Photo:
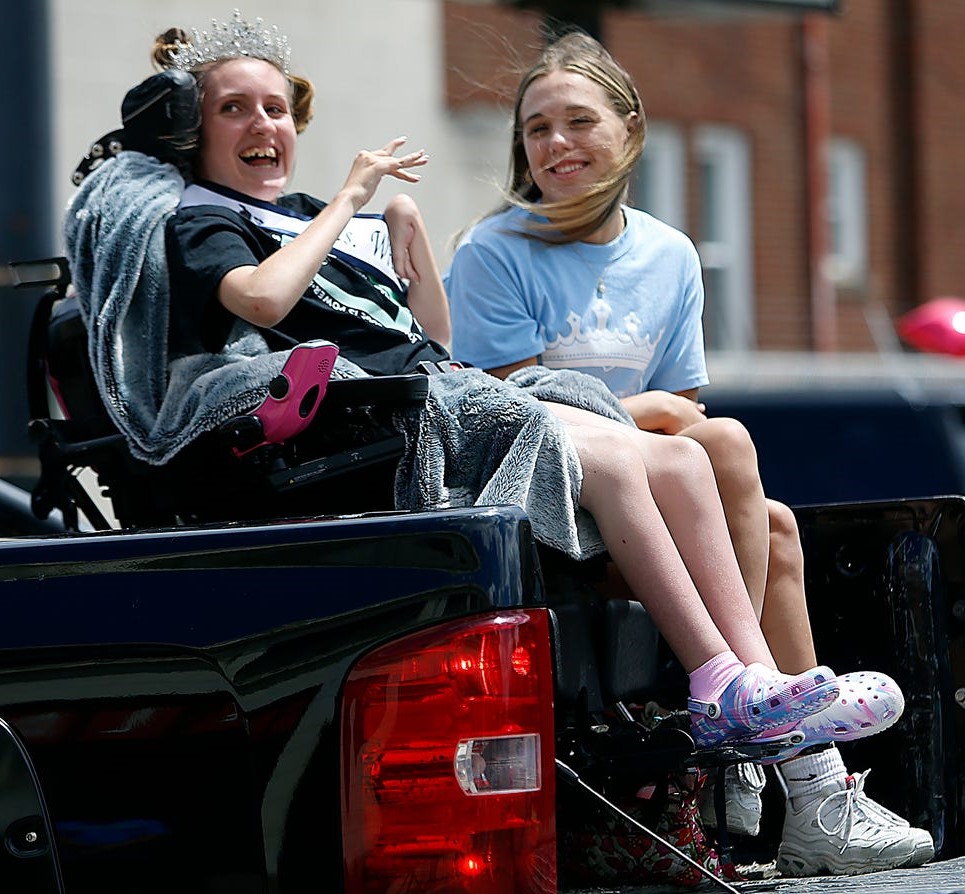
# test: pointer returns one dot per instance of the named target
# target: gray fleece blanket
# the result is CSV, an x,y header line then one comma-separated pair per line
x,y
114,236
481,441
478,441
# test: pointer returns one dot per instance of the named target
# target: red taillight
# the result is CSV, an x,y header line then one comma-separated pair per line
x,y
447,761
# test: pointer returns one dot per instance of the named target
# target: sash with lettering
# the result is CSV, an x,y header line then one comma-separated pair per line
x,y
364,243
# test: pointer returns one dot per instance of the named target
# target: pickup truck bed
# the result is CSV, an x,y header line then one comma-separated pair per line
x,y
219,708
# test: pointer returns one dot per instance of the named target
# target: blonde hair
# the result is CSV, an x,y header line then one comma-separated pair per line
x,y
574,218
301,90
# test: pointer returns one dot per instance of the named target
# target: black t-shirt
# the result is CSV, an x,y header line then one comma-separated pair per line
x,y
370,323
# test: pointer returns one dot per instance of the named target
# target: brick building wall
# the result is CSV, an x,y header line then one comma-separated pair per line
x,y
939,121
895,88
741,73
863,67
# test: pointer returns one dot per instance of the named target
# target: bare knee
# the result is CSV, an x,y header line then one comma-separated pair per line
x,y
731,451
612,465
726,441
679,461
785,538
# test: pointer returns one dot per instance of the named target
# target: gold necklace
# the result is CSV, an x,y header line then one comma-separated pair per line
x,y
600,284
600,281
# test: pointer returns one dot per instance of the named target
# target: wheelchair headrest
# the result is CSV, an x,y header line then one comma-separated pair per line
x,y
161,118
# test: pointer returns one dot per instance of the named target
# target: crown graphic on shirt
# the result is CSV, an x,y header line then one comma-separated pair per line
x,y
605,341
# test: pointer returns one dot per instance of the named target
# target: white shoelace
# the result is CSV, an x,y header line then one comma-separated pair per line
x,y
846,818
751,776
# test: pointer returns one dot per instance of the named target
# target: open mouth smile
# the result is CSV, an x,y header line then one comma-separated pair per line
x,y
565,166
256,157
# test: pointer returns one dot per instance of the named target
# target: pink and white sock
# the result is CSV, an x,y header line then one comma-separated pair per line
x,y
708,682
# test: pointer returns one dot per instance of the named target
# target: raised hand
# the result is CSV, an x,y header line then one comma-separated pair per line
x,y
370,166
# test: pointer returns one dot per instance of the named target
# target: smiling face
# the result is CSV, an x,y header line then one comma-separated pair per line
x,y
247,130
571,135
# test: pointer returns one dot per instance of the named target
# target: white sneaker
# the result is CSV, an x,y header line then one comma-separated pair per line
x,y
743,784
844,832
924,846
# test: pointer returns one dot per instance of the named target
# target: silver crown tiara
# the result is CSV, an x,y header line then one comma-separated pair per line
x,y
229,40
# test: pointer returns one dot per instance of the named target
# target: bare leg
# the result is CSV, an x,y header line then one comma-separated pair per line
x,y
785,620
654,500
766,541
734,458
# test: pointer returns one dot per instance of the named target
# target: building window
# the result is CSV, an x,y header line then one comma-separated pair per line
x,y
723,226
847,214
658,185
722,160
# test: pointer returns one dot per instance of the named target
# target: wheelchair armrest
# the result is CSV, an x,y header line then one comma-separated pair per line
x,y
291,403
348,404
408,388
244,433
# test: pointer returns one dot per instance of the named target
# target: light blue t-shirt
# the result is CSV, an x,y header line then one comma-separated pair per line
x,y
628,312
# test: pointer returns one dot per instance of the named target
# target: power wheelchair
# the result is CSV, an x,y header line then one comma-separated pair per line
x,y
230,474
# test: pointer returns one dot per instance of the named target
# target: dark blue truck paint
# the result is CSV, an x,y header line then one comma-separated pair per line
x,y
188,681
